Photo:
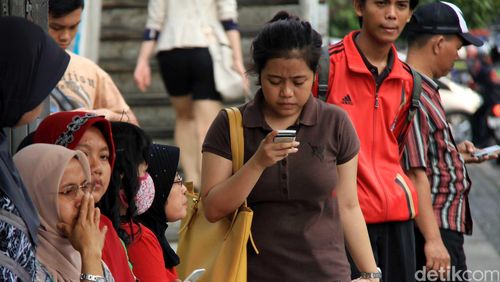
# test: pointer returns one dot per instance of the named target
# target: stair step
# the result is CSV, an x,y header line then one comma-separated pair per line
x,y
128,23
126,84
126,18
147,99
111,4
158,132
155,115
126,52
108,4
118,33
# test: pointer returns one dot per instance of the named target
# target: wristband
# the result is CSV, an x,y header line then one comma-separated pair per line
x,y
90,277
150,34
372,275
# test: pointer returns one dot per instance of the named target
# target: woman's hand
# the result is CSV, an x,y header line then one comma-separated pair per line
x,y
270,152
85,235
142,75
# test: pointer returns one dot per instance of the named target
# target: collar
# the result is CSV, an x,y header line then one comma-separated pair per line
x,y
356,60
373,69
254,117
430,81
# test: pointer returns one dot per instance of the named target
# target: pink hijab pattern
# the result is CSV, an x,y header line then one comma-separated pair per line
x,y
41,167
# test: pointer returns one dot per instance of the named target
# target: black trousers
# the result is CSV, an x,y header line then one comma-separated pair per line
x,y
393,245
454,243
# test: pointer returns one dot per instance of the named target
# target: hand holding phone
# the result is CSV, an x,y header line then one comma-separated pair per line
x,y
195,275
486,151
285,136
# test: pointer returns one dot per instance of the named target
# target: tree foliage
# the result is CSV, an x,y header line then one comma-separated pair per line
x,y
477,13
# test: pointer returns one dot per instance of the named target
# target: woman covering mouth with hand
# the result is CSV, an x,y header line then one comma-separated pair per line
x,y
92,135
70,239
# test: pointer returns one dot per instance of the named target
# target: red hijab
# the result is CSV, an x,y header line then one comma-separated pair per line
x,y
67,128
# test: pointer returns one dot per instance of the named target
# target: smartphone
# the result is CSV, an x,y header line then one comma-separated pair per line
x,y
486,151
195,275
285,136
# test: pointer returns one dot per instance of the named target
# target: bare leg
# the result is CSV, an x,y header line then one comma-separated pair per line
x,y
186,137
205,112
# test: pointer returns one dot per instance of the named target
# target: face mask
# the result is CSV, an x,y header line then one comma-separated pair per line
x,y
146,194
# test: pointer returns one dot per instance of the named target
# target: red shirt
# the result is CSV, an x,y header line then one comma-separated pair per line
x,y
146,255
113,253
378,106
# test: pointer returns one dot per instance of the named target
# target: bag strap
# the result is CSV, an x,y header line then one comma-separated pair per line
x,y
415,101
238,154
236,136
324,73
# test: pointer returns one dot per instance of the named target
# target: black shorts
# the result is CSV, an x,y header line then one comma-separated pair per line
x,y
188,71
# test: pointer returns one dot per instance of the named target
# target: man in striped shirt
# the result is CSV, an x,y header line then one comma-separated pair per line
x,y
434,163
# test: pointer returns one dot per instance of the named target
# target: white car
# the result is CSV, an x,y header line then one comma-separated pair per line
x,y
460,103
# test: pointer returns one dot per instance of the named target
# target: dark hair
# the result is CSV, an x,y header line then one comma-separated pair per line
x,y
60,8
418,39
132,149
415,39
285,36
413,5
495,55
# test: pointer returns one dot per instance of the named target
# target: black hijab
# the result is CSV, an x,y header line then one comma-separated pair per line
x,y
162,166
31,64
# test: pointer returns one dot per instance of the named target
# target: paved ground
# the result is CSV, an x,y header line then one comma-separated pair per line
x,y
483,247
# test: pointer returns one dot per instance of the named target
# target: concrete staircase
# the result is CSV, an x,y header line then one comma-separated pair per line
x,y
121,35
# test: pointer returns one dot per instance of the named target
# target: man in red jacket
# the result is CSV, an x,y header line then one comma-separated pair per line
x,y
367,79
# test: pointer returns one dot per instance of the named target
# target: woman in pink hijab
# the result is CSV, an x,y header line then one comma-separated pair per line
x,y
70,240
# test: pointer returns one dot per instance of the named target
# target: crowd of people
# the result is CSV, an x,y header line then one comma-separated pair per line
x,y
373,187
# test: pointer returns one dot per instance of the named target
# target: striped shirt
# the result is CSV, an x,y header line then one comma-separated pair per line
x,y
430,145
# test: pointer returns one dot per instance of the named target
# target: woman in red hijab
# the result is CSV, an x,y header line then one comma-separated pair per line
x,y
91,134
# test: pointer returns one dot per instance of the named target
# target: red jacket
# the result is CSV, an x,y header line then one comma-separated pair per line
x,y
378,113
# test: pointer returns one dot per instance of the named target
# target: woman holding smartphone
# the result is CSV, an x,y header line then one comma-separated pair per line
x,y
302,192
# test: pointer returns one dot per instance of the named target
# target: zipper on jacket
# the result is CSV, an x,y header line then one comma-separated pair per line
x,y
377,86
375,116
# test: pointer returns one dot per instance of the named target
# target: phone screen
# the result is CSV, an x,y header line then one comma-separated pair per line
x,y
486,151
285,136
195,275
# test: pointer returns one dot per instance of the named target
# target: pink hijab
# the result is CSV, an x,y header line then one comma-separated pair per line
x,y
41,167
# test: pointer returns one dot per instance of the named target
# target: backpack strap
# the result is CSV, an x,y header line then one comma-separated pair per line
x,y
415,102
324,73
415,94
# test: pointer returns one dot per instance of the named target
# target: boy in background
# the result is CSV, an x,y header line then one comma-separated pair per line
x,y
84,86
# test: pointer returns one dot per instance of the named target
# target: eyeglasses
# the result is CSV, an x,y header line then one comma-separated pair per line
x,y
178,179
71,190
